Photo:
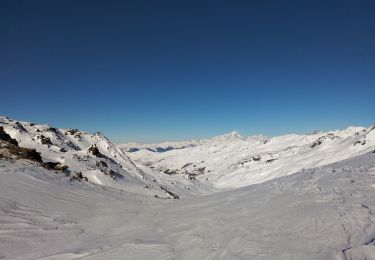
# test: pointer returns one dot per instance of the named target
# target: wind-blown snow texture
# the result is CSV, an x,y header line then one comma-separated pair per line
x,y
324,211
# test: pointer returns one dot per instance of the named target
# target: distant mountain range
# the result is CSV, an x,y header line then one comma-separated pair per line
x,y
232,160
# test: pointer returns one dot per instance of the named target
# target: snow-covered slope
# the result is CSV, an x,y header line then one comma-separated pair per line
x,y
321,206
98,159
232,160
322,213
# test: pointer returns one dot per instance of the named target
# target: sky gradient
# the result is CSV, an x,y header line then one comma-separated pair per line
x,y
173,70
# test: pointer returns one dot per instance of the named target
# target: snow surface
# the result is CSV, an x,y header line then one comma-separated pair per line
x,y
316,200
128,176
232,160
321,213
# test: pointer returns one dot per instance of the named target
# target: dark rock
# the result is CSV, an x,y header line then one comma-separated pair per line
x,y
78,176
102,164
201,170
52,129
23,153
112,174
321,139
49,165
75,147
192,176
45,140
32,154
94,151
6,137
71,131
173,195
316,143
55,166
256,158
170,172
20,127
361,142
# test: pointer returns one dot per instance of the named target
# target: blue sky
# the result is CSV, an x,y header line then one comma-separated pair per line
x,y
172,70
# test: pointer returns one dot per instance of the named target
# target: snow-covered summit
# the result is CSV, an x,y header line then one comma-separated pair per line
x,y
231,136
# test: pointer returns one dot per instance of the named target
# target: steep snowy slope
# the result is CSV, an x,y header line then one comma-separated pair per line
x,y
232,160
322,213
97,159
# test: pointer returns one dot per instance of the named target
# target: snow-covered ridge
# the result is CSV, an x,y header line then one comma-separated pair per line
x,y
188,168
232,160
95,157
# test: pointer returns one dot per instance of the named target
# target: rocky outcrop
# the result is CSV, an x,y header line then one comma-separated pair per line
x,y
56,166
11,151
6,137
78,176
94,151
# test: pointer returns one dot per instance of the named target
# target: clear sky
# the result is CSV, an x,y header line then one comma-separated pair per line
x,y
172,70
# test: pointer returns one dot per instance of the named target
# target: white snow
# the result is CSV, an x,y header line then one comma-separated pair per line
x,y
234,161
310,203
322,213
128,176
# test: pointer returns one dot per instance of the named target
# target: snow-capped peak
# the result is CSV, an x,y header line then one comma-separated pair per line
x,y
234,135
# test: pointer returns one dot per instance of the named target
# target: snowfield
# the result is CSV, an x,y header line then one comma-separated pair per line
x,y
232,161
240,206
